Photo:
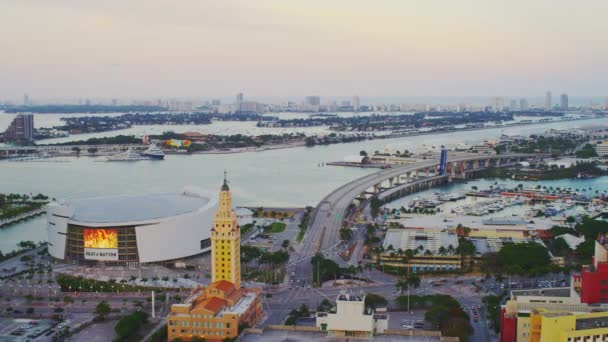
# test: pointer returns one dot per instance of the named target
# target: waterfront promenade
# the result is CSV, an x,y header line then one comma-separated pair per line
x,y
23,216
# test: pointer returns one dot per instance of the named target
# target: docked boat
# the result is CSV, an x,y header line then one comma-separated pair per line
x,y
429,203
153,152
128,155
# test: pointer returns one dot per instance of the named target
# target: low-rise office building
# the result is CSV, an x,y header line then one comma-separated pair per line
x,y
497,227
602,148
567,326
351,318
434,250
573,314
215,312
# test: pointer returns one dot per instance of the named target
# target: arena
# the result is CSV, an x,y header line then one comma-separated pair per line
x,y
131,230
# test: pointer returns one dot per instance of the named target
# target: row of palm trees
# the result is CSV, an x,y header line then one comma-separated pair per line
x,y
552,189
407,254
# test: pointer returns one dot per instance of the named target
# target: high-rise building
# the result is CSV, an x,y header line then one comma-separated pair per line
x,y
497,103
226,241
563,101
26,100
21,129
602,149
216,312
239,101
548,101
356,104
313,100
523,104
250,107
513,105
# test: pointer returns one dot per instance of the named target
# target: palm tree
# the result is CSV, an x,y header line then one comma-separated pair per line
x,y
402,285
428,253
410,253
442,251
404,258
451,249
411,280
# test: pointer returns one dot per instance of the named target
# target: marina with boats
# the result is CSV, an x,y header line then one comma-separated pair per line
x,y
518,201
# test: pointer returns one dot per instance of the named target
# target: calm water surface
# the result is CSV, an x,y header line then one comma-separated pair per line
x,y
287,177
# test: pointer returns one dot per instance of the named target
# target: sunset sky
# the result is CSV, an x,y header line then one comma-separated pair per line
x,y
207,48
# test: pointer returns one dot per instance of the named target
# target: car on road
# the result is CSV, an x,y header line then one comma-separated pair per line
x,y
407,326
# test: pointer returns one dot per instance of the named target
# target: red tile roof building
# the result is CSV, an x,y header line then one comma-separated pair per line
x,y
217,311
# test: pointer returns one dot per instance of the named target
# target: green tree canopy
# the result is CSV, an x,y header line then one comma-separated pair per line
x,y
102,309
521,258
375,301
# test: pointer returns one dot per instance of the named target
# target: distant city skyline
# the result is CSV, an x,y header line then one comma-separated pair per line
x,y
537,101
194,48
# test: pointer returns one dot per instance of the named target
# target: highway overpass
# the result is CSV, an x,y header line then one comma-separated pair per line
x,y
389,184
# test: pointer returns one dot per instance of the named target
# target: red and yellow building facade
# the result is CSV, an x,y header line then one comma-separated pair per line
x,y
216,312
578,314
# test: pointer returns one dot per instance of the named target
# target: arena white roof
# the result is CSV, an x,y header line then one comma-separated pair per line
x,y
132,208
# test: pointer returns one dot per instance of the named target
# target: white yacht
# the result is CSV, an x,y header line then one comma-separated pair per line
x,y
128,155
153,152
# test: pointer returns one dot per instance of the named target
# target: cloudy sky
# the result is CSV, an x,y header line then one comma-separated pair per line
x,y
207,48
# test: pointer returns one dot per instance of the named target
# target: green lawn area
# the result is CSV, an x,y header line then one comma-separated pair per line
x,y
275,227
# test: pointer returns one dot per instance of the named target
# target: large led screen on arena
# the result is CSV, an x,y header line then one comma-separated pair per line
x,y
100,243
100,238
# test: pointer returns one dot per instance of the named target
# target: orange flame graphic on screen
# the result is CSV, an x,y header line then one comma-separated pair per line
x,y
100,238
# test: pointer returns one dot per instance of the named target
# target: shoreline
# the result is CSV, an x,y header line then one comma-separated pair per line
x,y
301,143
387,137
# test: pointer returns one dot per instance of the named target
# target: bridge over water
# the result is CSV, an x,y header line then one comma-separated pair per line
x,y
390,184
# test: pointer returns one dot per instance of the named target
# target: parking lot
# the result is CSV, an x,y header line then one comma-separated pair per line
x,y
27,329
402,320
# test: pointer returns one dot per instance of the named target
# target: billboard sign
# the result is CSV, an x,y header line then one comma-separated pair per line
x,y
102,254
443,161
100,244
